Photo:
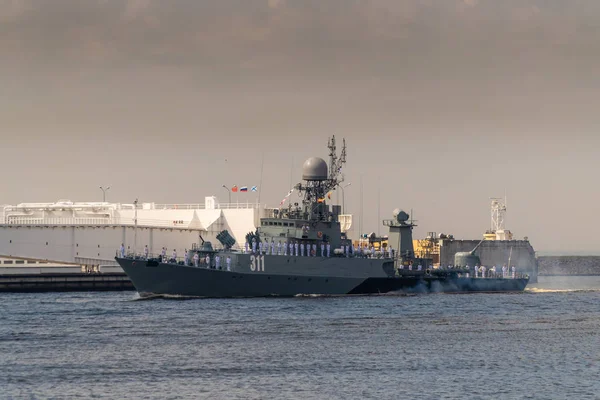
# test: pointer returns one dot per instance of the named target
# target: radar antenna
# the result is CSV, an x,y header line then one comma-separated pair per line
x,y
319,178
498,214
335,164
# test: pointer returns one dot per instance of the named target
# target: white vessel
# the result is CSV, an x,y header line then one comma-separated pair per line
x,y
90,233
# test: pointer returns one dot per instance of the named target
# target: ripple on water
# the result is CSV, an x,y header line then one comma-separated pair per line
x,y
539,344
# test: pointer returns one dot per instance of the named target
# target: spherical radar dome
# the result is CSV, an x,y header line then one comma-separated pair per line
x,y
314,169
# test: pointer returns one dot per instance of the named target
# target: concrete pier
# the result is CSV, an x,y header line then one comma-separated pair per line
x,y
27,275
65,282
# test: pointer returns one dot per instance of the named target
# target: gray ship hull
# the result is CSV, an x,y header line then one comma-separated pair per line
x,y
306,276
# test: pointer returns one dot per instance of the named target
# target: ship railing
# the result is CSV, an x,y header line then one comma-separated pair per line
x,y
168,259
141,222
499,276
57,221
198,206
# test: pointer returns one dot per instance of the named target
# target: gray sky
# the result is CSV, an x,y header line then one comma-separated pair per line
x,y
443,104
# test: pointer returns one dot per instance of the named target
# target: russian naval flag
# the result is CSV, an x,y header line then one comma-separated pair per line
x,y
254,189
244,189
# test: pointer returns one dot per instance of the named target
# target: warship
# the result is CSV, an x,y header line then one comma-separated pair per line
x,y
301,250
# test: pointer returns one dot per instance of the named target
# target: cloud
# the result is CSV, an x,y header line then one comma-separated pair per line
x,y
134,8
11,10
275,3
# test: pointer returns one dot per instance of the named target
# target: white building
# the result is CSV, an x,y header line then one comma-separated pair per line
x,y
91,233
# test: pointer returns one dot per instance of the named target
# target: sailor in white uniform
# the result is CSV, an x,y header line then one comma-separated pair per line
x,y
207,259
322,249
122,250
347,251
513,271
301,249
218,262
228,261
253,246
475,271
314,250
196,258
260,248
296,249
174,255
186,258
410,266
504,271
246,247
272,247
328,249
420,267
279,248
483,269
146,252
163,254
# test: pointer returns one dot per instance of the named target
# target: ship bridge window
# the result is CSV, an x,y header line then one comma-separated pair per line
x,y
8,261
19,261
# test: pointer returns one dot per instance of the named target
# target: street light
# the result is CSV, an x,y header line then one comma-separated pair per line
x,y
104,190
135,203
343,196
228,193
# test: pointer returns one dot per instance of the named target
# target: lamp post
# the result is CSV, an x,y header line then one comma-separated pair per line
x,y
104,190
135,203
228,193
344,196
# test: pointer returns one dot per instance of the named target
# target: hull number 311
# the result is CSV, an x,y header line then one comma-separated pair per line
x,y
257,263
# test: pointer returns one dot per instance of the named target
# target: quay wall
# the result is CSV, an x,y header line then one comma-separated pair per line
x,y
569,265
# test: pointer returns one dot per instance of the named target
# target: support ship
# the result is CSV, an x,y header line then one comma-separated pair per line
x,y
273,266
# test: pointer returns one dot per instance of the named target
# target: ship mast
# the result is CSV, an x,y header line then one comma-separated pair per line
x,y
335,164
320,182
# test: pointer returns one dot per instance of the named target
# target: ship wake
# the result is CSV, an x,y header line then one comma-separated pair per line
x,y
164,296
541,290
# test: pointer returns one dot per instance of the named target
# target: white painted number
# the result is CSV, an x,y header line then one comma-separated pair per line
x,y
257,263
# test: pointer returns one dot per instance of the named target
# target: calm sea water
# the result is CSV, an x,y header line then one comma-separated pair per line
x,y
541,344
